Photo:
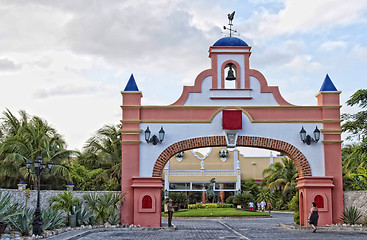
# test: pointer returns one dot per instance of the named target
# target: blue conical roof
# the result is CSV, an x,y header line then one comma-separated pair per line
x,y
131,84
327,85
22,182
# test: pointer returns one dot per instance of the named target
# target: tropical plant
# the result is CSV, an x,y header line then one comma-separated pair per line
x,y
103,151
8,209
178,198
23,221
266,195
229,199
250,185
65,202
280,177
52,219
27,138
83,214
351,215
103,206
356,124
243,199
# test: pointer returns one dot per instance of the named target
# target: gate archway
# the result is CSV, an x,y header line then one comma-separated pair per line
x,y
254,112
291,151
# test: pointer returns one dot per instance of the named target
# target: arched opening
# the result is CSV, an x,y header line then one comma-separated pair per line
x,y
287,149
230,74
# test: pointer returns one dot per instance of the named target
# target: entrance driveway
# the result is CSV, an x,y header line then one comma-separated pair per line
x,y
227,228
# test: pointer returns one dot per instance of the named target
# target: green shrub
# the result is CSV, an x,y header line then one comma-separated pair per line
x,y
243,199
225,205
293,205
7,208
296,217
198,206
103,206
23,222
229,199
351,215
52,219
211,205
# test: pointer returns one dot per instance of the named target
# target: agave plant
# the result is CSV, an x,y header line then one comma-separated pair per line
x,y
83,215
7,208
23,221
351,215
52,219
103,206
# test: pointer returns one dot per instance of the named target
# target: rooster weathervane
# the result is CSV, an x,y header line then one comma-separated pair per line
x,y
230,18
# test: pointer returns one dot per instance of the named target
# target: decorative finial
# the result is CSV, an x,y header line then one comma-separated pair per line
x,y
230,18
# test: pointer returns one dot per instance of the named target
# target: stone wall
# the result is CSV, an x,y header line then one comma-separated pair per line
x,y
19,197
357,199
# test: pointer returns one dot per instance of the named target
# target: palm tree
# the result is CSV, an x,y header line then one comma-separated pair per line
x,y
27,138
104,151
281,177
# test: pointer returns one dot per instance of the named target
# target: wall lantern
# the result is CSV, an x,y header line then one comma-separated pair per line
x,y
154,139
307,138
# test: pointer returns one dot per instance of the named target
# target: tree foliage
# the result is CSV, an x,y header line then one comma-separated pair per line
x,y
356,124
26,138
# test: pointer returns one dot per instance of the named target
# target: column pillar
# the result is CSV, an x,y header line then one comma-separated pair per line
x,y
130,137
329,102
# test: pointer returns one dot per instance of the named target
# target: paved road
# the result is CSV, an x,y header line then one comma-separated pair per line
x,y
250,228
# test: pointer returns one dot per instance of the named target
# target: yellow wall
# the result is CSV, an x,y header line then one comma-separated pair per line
x,y
251,167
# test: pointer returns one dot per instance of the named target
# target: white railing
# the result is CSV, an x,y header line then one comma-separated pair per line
x,y
214,173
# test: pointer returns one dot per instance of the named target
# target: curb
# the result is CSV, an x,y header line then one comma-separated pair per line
x,y
339,227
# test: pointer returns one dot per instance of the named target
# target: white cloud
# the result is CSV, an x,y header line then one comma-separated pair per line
x,y
8,65
302,64
333,45
306,16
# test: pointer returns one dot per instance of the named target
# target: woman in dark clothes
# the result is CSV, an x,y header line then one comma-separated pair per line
x,y
314,217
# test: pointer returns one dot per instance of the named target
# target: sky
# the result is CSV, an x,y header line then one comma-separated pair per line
x,y
67,61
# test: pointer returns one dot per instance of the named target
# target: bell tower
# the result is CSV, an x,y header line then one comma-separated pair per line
x,y
230,62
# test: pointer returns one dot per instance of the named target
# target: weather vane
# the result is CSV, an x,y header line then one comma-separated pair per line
x,y
230,18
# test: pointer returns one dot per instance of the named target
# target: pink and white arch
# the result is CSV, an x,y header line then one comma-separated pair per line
x,y
195,120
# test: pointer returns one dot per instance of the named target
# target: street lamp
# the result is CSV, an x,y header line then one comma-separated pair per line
x,y
39,168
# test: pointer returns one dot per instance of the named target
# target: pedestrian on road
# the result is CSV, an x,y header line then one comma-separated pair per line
x,y
251,206
269,206
171,209
314,217
263,205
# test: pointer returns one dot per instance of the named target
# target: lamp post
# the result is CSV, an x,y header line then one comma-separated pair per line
x,y
39,168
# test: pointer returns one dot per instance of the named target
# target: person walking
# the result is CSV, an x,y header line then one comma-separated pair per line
x,y
263,205
314,217
251,205
269,206
171,209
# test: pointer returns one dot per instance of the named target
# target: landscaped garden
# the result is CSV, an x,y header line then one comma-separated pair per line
x,y
217,212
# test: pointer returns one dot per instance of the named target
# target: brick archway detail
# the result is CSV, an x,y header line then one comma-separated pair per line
x,y
291,151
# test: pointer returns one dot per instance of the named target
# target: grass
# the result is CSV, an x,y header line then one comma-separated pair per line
x,y
215,212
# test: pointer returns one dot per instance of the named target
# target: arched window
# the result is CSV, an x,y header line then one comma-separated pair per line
x,y
146,202
319,200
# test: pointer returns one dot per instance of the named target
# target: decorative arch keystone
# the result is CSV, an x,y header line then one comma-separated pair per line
x,y
291,151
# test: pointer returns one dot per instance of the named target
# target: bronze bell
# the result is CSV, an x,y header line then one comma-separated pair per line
x,y
230,76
